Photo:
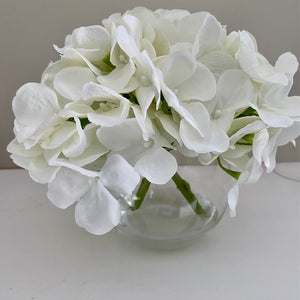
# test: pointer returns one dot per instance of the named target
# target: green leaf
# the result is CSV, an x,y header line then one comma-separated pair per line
x,y
247,113
165,107
234,174
249,138
246,139
107,62
131,97
83,121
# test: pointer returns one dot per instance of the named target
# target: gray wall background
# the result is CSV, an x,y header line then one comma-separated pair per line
x,y
29,28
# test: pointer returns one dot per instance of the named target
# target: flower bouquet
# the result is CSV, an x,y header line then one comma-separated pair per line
x,y
125,96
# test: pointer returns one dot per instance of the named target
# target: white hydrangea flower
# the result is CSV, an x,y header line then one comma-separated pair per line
x,y
125,94
88,46
36,108
257,66
274,106
149,158
98,211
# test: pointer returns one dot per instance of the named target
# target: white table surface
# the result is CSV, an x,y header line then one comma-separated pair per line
x,y
44,255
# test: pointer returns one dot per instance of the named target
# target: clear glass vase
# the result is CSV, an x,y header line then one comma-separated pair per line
x,y
166,219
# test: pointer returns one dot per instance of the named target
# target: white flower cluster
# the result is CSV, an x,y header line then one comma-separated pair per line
x,y
125,94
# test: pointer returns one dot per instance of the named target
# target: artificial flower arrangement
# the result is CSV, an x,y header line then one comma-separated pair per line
x,y
108,116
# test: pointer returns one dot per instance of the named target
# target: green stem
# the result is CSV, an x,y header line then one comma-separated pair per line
x,y
182,185
234,174
141,193
185,189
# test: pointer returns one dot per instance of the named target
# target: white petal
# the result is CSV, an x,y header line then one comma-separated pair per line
x,y
61,162
30,156
169,125
145,64
91,37
114,112
75,109
289,134
237,152
274,119
52,154
239,163
111,117
273,95
98,211
260,142
145,96
18,148
206,158
148,16
76,145
248,40
134,27
172,14
239,123
225,120
62,133
42,132
93,150
35,107
232,197
167,32
258,68
254,171
179,46
67,188
144,123
161,44
269,155
84,58
170,97
210,36
250,128
215,141
93,91
157,165
52,69
289,107
132,85
37,166
146,45
69,82
232,43
117,55
218,62
118,78
234,90
121,136
200,86
178,67
127,43
188,26
287,63
196,115
133,153
112,21
119,175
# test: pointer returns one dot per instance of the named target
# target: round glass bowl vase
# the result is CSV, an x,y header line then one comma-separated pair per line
x,y
166,219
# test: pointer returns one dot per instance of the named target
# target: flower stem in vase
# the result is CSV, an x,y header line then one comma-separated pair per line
x,y
141,193
182,185
185,189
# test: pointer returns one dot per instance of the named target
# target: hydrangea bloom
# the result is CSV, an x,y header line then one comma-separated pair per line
x,y
126,94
